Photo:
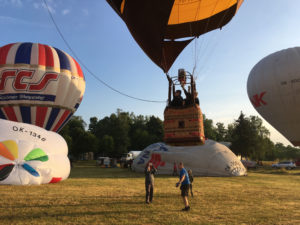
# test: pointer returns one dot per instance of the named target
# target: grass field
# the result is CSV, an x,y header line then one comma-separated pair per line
x,y
94,195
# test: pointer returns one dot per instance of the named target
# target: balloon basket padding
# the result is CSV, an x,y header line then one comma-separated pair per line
x,y
184,126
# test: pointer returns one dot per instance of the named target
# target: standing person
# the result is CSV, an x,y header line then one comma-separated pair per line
x,y
149,181
184,183
191,177
175,169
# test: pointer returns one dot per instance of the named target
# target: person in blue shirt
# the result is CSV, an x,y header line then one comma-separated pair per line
x,y
184,183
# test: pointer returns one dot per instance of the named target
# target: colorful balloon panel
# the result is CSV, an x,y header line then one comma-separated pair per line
x,y
31,155
39,85
274,91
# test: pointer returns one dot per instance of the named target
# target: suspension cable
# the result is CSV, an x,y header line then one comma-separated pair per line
x,y
86,67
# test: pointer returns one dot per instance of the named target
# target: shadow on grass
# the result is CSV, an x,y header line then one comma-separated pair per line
x,y
98,172
282,171
74,215
117,205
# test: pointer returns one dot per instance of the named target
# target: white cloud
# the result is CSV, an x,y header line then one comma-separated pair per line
x,y
85,12
39,5
17,3
66,11
36,5
11,20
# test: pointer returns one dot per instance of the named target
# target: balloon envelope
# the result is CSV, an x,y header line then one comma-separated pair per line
x,y
31,155
163,28
39,85
274,91
210,159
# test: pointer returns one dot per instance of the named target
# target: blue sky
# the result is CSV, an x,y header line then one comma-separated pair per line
x,y
101,40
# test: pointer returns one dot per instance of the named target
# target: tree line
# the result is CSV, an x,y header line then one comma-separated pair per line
x,y
123,131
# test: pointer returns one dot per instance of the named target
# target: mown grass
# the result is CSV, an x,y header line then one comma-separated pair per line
x,y
94,195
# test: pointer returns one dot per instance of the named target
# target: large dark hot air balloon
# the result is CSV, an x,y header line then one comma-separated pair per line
x,y
163,28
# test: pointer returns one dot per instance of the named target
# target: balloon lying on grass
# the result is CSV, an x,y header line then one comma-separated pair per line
x,y
39,85
274,91
163,28
31,155
210,159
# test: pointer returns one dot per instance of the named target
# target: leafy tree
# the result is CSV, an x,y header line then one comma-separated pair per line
x,y
209,130
123,131
250,138
242,136
221,132
93,125
106,146
140,139
79,140
154,126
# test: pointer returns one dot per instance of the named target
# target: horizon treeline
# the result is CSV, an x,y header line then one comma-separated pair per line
x,y
122,132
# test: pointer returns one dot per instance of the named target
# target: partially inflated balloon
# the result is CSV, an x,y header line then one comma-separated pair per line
x,y
31,155
274,90
39,85
209,159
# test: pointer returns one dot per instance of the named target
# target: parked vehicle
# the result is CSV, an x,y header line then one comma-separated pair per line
x,y
287,165
103,161
297,162
127,158
249,164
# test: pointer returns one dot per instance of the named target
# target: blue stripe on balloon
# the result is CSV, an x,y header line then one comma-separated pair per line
x,y
2,116
52,117
63,124
23,53
63,60
32,171
26,114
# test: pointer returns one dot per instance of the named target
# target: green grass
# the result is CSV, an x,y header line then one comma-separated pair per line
x,y
94,195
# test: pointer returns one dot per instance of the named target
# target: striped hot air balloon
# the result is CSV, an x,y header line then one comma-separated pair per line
x,y
39,85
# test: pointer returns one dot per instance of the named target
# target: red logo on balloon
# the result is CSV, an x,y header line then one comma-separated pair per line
x,y
257,100
156,160
20,76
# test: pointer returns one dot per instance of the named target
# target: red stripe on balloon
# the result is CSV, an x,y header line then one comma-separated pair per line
x,y
10,112
79,71
40,115
5,165
4,52
42,57
49,56
62,119
55,180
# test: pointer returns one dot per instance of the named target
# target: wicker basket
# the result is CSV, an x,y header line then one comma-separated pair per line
x,y
184,126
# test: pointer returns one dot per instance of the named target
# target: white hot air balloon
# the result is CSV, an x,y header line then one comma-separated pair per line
x,y
274,91
31,155
209,159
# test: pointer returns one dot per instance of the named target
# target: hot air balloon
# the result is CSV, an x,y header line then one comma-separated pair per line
x,y
274,90
39,85
210,159
31,155
163,28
